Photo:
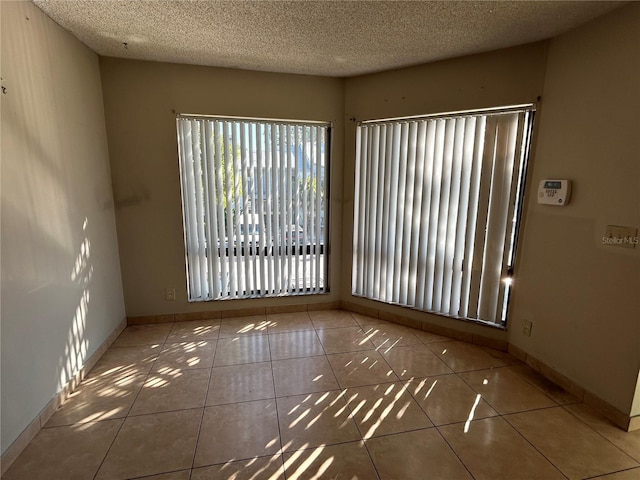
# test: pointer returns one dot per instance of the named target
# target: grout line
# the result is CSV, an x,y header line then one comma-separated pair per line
x,y
325,445
362,439
468,384
331,390
204,407
416,400
598,432
124,419
468,469
275,401
138,415
536,409
604,475
209,465
215,346
110,447
393,434
532,445
152,475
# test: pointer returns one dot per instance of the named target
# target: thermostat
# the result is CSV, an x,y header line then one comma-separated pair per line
x,y
554,192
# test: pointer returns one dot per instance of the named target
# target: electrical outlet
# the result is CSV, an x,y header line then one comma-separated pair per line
x,y
526,328
170,294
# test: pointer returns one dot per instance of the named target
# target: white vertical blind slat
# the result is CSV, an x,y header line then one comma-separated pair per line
x,y
198,214
257,235
320,231
417,212
210,219
455,165
370,237
312,205
244,219
307,234
433,259
380,227
289,156
293,259
262,176
400,187
228,166
387,131
453,225
222,233
273,208
446,157
282,207
393,211
474,197
407,201
299,184
466,168
362,217
423,290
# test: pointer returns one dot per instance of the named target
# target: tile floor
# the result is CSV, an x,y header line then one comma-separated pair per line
x,y
319,395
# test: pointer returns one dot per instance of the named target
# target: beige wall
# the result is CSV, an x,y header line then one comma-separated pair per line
x,y
505,77
61,287
141,102
584,297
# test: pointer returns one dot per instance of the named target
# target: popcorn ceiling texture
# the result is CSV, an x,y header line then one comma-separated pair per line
x,y
332,38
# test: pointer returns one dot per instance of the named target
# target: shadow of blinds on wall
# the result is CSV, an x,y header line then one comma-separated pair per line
x,y
254,206
437,204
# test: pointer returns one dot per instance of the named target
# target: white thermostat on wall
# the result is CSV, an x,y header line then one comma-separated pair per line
x,y
554,192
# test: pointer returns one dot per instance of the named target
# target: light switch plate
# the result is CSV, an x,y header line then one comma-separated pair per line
x,y
527,327
619,236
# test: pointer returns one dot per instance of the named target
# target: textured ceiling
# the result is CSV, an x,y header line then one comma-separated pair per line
x,y
333,38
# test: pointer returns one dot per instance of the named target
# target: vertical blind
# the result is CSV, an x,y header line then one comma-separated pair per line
x,y
254,206
437,201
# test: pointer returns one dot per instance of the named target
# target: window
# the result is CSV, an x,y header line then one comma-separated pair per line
x,y
254,203
437,204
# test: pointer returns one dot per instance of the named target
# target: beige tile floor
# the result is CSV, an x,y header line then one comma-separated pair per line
x,y
319,395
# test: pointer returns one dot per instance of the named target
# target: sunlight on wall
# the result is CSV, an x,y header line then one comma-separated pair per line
x,y
76,348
